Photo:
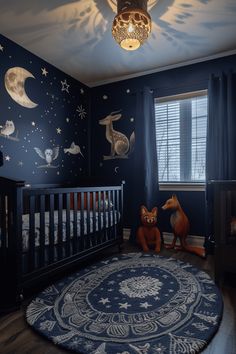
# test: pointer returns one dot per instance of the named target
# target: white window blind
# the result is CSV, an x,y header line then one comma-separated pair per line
x,y
181,123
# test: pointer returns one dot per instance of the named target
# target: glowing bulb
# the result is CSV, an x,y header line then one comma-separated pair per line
x,y
130,28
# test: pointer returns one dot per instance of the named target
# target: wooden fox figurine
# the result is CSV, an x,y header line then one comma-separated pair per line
x,y
148,234
180,225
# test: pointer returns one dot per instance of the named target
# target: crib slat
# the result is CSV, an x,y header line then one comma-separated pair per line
x,y
94,240
42,230
87,237
60,227
113,214
82,223
104,216
32,234
108,210
99,238
51,228
75,223
67,224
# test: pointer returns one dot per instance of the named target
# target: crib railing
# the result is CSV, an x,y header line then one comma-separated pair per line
x,y
64,225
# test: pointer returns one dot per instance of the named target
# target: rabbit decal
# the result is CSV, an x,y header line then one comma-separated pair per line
x,y
121,146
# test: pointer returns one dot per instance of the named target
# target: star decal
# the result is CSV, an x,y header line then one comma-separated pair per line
x,y
104,301
33,124
7,158
81,111
67,120
1,48
58,130
124,306
82,91
145,305
44,71
65,86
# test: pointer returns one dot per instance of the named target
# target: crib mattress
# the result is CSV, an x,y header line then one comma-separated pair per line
x,y
105,221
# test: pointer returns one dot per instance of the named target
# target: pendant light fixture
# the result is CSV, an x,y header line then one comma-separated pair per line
x,y
132,24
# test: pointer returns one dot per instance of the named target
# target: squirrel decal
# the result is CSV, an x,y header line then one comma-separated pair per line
x,y
180,225
148,234
121,146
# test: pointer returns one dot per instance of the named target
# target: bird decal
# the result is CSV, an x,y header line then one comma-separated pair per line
x,y
48,155
8,128
73,149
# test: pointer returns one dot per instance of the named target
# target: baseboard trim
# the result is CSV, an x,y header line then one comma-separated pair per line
x,y
193,240
126,234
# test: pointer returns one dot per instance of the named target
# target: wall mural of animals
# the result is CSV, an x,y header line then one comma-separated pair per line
x,y
180,226
49,155
8,129
73,149
121,146
45,108
148,235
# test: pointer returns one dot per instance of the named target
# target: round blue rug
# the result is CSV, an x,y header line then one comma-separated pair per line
x,y
130,304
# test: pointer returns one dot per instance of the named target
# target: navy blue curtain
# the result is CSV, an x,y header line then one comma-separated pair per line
x,y
145,171
221,138
221,133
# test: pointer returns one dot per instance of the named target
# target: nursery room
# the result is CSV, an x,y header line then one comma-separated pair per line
x,y
118,177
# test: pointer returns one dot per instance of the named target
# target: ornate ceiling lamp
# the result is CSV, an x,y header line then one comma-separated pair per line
x,y
132,24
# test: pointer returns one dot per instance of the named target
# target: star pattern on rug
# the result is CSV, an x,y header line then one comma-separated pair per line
x,y
104,301
124,306
145,305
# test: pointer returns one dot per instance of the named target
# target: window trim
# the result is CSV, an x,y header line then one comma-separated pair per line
x,y
181,96
182,186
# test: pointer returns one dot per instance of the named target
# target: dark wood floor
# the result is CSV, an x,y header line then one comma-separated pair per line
x,y
16,337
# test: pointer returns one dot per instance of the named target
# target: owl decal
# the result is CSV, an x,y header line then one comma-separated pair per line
x,y
8,129
49,155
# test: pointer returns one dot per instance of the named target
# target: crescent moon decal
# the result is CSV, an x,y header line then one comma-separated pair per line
x,y
15,86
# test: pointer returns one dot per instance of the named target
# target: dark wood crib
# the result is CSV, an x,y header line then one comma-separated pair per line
x,y
46,229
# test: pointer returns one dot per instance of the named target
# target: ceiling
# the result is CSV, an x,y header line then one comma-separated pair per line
x,y
75,36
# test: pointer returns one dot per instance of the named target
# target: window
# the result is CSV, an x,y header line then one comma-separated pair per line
x,y
181,126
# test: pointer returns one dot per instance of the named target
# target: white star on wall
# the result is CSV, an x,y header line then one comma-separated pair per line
x,y
58,130
7,158
44,71
65,86
82,91
33,124
1,48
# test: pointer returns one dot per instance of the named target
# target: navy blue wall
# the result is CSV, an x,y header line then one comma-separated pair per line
x,y
122,96
47,111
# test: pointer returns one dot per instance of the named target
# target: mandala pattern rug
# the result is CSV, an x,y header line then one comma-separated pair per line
x,y
130,304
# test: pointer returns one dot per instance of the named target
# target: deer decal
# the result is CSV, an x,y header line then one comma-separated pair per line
x,y
121,146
